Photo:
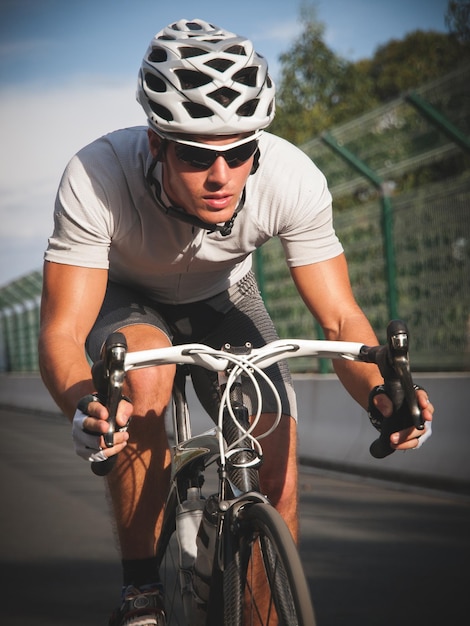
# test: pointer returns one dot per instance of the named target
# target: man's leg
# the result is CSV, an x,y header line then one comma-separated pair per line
x,y
279,472
278,481
138,484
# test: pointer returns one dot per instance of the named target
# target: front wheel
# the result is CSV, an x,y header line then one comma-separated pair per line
x,y
264,583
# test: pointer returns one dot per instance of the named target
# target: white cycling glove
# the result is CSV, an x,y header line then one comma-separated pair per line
x,y
87,443
422,438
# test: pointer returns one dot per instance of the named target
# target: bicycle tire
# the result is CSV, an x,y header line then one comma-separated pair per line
x,y
289,597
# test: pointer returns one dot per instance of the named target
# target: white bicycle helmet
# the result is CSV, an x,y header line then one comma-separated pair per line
x,y
200,79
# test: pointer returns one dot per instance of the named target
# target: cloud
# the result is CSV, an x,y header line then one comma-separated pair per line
x,y
284,31
41,130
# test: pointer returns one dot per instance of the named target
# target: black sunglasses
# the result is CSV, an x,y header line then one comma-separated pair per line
x,y
203,158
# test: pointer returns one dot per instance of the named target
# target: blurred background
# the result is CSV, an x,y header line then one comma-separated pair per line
x,y
377,93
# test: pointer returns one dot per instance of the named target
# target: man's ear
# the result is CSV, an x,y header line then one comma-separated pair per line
x,y
156,145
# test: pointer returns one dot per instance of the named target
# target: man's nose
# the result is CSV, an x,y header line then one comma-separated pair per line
x,y
219,172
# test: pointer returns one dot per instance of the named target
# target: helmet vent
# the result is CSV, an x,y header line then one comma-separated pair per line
x,y
158,55
161,111
237,49
219,64
188,52
190,79
197,110
155,83
224,96
246,76
247,109
193,26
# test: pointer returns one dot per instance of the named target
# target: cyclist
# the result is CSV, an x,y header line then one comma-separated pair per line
x,y
154,231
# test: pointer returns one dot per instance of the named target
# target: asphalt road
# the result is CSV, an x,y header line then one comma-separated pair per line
x,y
374,554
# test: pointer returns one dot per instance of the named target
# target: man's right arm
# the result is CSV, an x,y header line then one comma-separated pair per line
x,y
71,300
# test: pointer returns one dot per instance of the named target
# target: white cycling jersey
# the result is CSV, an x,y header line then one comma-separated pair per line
x,y
107,216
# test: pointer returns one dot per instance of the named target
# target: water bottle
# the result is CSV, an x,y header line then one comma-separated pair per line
x,y
205,542
188,519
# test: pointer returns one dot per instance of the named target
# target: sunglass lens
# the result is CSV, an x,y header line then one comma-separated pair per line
x,y
196,157
203,158
240,154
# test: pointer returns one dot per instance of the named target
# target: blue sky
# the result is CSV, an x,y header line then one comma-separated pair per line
x,y
68,71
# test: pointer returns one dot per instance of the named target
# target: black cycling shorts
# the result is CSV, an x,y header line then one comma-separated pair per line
x,y
235,316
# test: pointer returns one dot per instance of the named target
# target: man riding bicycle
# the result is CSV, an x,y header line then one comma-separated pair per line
x,y
154,232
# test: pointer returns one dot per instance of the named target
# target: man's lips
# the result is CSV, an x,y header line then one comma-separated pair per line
x,y
218,202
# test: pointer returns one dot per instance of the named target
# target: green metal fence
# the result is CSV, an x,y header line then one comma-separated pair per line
x,y
400,179
431,241
406,236
19,324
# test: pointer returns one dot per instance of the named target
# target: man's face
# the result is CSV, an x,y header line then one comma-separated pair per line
x,y
210,194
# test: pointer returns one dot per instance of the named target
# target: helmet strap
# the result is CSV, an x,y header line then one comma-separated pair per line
x,y
256,158
180,213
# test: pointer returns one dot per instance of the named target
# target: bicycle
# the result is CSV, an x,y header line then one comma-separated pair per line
x,y
208,572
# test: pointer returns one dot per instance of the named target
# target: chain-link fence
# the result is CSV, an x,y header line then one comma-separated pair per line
x,y
432,250
407,238
399,143
19,324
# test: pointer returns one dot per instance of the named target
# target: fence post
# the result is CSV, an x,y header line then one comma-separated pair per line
x,y
437,119
387,216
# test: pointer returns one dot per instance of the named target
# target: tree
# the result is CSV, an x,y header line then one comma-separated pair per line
x,y
420,57
317,88
458,19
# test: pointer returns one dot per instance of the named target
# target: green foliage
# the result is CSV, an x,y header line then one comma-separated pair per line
x,y
319,89
420,57
458,19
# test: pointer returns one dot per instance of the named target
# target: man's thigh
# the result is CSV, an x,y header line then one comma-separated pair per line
x,y
122,308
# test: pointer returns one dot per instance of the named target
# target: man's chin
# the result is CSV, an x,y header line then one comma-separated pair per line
x,y
216,217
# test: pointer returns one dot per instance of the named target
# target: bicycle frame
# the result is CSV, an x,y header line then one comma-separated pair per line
x,y
192,455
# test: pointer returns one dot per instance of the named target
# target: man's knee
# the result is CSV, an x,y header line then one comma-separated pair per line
x,y
148,388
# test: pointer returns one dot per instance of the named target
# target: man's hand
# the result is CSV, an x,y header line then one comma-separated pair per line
x,y
89,424
410,438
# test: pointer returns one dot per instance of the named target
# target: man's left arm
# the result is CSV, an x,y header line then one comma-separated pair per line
x,y
326,290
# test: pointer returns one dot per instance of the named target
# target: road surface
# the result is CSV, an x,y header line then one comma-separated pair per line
x,y
374,554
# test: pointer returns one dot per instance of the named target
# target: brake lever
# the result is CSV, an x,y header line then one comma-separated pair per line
x,y
108,376
394,365
398,342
